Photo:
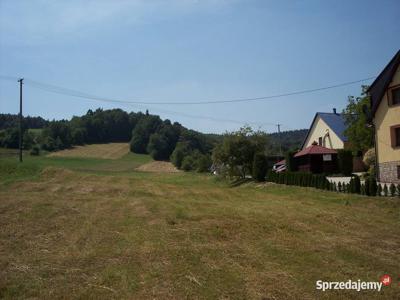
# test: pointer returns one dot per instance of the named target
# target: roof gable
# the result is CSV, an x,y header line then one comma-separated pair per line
x,y
336,122
381,83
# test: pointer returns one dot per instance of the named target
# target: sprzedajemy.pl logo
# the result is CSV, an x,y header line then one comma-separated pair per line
x,y
357,285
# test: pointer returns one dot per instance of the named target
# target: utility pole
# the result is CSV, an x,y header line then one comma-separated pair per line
x,y
280,139
20,118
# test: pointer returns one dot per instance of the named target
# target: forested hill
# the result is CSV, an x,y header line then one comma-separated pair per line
x,y
291,140
11,120
147,133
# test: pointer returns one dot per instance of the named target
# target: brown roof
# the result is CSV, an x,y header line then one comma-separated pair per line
x,y
314,150
381,83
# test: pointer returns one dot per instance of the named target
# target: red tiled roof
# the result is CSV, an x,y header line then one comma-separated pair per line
x,y
315,149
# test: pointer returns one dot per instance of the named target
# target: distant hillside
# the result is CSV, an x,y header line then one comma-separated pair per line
x,y
102,126
11,120
291,140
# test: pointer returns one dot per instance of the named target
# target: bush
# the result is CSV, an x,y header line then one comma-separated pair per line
x,y
385,190
362,189
379,190
392,190
355,185
259,167
188,163
203,163
398,190
373,187
177,156
290,162
369,157
345,162
35,150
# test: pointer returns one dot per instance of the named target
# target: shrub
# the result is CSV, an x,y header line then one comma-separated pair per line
x,y
372,186
366,186
188,163
385,190
35,150
259,167
356,184
362,189
379,190
398,190
203,163
345,162
290,162
392,190
369,157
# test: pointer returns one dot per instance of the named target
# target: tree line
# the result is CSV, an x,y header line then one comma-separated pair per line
x,y
146,133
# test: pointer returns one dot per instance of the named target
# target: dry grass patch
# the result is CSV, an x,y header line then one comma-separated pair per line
x,y
182,236
158,167
106,151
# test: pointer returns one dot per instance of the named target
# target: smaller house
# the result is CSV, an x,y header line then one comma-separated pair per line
x,y
328,130
316,159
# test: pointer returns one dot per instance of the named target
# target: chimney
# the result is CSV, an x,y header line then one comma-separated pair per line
x,y
334,111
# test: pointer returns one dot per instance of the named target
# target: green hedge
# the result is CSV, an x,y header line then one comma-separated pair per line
x,y
318,181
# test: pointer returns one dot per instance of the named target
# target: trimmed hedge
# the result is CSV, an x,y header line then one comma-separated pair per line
x,y
318,181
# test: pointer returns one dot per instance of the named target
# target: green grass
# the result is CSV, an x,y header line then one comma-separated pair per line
x,y
92,228
126,164
35,131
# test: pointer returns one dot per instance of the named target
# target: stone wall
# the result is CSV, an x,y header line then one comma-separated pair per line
x,y
388,172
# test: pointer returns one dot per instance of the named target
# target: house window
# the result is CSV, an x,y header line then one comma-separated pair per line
x,y
398,172
320,141
395,135
394,96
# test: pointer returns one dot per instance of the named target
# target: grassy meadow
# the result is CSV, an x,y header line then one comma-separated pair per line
x,y
78,227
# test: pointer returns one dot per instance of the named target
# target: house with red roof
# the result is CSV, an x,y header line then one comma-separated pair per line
x,y
316,159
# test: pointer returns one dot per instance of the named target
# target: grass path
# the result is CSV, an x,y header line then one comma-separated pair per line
x,y
173,236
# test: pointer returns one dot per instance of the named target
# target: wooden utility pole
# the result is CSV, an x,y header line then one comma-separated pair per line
x,y
280,139
20,118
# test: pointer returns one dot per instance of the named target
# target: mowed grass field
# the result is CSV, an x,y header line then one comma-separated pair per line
x,y
107,151
81,228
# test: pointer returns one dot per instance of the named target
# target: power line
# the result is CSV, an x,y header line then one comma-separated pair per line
x,y
79,94
63,91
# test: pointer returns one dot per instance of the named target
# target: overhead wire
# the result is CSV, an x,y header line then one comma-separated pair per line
x,y
86,96
75,93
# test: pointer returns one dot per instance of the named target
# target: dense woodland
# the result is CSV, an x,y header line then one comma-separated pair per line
x,y
10,120
163,140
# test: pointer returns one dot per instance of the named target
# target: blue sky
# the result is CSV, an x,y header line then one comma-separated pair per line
x,y
188,50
